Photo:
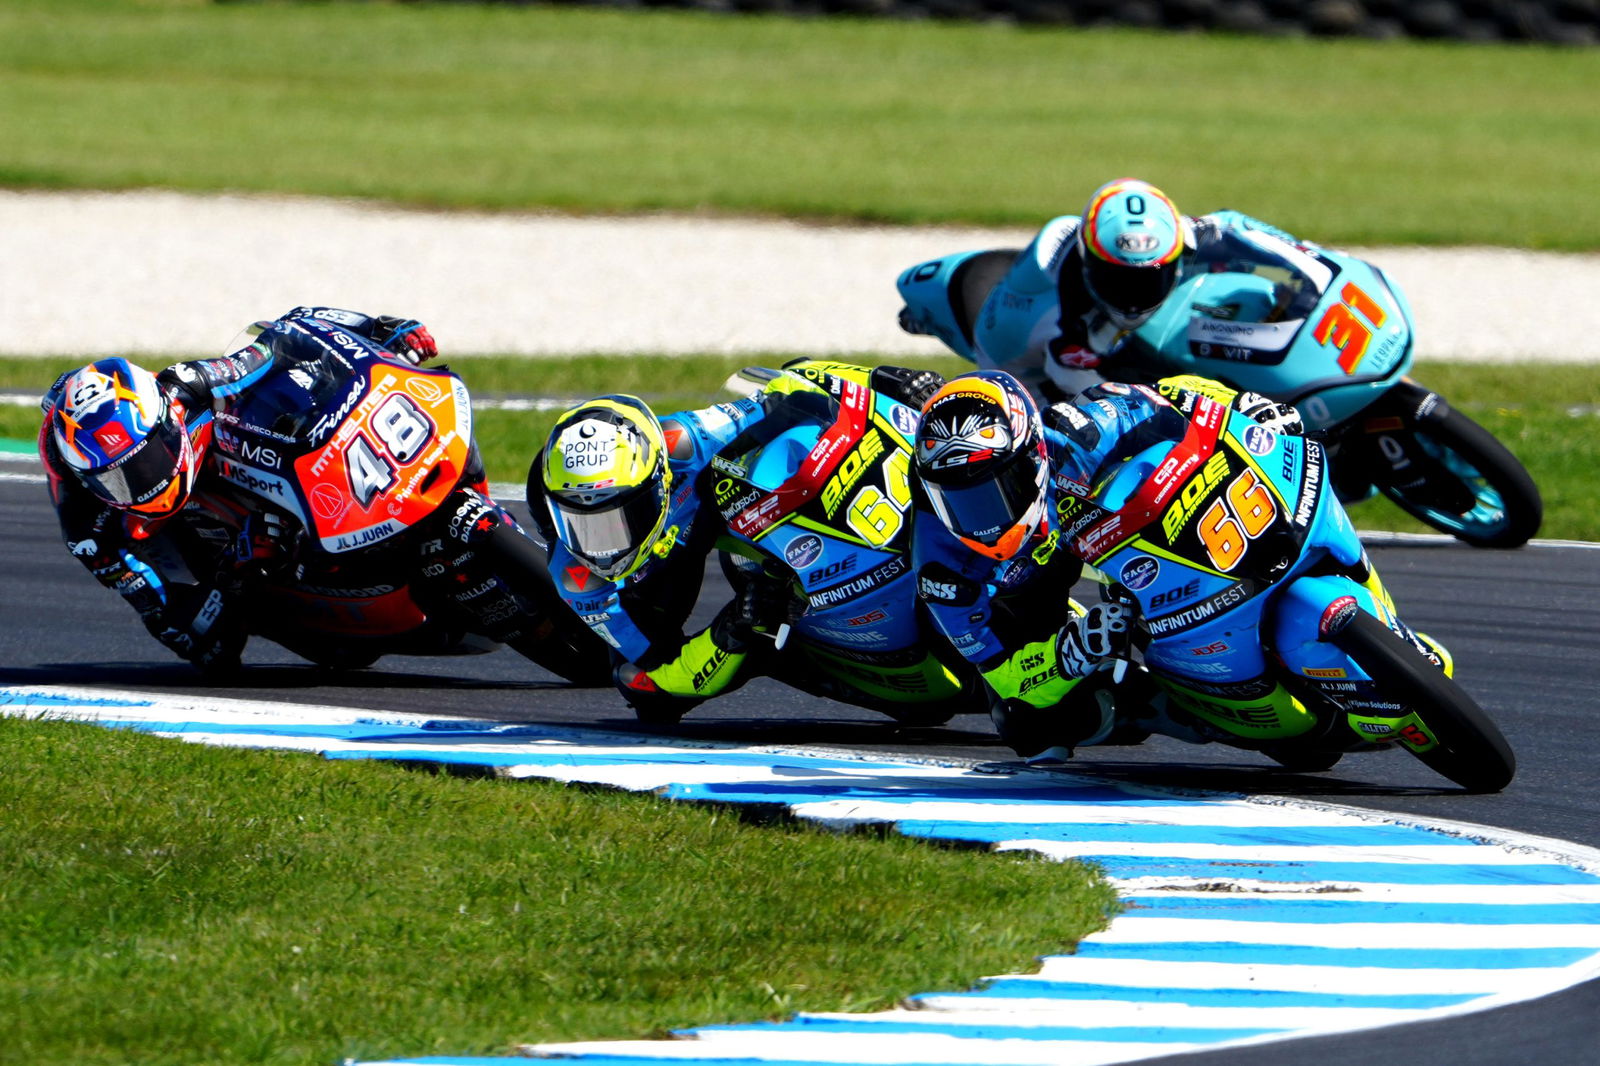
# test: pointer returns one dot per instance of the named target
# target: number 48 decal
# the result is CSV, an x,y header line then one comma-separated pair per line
x,y
403,430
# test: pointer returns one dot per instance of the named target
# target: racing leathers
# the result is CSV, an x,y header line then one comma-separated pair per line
x,y
1039,652
664,671
197,616
1041,325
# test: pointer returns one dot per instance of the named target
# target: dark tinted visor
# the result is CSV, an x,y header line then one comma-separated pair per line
x,y
145,472
986,510
1131,290
610,536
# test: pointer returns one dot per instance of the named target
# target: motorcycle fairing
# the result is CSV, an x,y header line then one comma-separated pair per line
x,y
400,447
829,502
1321,329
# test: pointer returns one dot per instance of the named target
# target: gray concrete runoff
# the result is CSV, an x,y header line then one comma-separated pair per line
x,y
171,273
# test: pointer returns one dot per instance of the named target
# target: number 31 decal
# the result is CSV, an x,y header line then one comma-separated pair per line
x,y
1345,330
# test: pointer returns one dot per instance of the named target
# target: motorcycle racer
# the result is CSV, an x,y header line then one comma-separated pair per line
x,y
127,451
627,503
1004,487
1057,320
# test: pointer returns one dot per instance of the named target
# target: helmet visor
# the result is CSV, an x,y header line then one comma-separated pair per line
x,y
142,478
1128,292
609,538
987,510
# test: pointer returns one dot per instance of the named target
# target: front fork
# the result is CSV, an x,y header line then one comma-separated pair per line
x,y
1381,446
1311,613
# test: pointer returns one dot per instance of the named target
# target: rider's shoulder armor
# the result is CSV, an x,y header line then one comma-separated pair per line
x,y
1036,270
1070,421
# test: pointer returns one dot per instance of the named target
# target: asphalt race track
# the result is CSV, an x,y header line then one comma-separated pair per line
x,y
1524,628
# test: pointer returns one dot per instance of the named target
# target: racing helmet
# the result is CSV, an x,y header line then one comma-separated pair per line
x,y
124,437
1130,241
981,458
607,483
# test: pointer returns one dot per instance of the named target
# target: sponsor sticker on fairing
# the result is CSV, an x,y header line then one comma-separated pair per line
x,y
1259,440
1140,571
803,550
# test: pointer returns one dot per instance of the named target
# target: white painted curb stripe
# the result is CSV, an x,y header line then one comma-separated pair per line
x,y
1314,934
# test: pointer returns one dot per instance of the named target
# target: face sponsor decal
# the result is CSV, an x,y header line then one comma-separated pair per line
x,y
1140,571
803,550
1259,440
903,419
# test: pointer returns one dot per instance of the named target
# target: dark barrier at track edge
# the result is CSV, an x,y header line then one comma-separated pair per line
x,y
1566,22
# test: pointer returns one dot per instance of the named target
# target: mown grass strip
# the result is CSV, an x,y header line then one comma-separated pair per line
x,y
501,106
1547,414
162,902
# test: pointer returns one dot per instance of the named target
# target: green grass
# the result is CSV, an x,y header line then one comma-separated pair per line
x,y
1548,414
491,106
166,903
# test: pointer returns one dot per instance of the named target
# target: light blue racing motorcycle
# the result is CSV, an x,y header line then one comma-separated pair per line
x,y
818,495
1260,619
1305,325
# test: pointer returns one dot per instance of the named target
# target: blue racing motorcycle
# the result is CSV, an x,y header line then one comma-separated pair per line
x,y
1261,622
817,495
1299,323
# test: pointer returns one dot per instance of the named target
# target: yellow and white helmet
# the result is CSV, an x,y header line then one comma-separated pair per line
x,y
607,483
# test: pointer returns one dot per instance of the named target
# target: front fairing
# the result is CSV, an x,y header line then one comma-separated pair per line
x,y
356,447
827,501
1309,326
1230,523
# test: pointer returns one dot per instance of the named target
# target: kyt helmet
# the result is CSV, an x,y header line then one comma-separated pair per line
x,y
1130,240
125,438
607,482
981,458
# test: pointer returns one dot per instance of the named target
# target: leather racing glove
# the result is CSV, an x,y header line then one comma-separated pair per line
x,y
1278,417
1102,633
406,337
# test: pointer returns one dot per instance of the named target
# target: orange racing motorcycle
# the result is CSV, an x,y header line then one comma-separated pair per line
x,y
347,505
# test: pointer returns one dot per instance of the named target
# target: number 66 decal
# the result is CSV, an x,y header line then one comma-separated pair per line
x,y
1227,529
403,430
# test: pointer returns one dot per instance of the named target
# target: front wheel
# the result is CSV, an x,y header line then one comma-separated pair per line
x,y
1499,504
1455,737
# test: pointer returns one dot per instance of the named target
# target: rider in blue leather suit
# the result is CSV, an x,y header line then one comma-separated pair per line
x,y
1004,488
626,503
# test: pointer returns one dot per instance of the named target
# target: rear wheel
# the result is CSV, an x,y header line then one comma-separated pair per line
x,y
1501,506
552,635
1468,748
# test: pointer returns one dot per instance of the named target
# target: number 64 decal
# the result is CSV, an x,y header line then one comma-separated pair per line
x,y
403,430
